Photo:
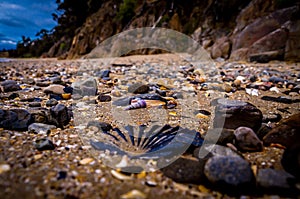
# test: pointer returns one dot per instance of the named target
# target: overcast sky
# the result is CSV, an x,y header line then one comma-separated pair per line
x,y
24,17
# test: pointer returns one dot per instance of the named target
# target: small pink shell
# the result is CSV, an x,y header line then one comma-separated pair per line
x,y
136,105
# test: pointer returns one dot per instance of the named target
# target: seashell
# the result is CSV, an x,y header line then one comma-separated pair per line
x,y
144,144
120,176
134,194
137,104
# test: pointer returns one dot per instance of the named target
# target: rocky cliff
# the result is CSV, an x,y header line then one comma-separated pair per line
x,y
257,30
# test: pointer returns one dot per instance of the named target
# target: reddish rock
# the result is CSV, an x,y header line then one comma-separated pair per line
x,y
221,48
292,49
267,43
239,54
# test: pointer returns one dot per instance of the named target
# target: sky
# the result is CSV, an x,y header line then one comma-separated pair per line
x,y
24,17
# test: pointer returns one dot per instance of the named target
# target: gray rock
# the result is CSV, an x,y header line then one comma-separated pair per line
x,y
247,140
265,57
186,170
40,115
44,144
104,98
273,180
212,150
35,104
9,86
15,119
229,172
54,89
60,115
40,128
88,87
100,125
51,102
232,114
138,88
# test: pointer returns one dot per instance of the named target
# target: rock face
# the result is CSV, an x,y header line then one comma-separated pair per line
x,y
226,29
251,40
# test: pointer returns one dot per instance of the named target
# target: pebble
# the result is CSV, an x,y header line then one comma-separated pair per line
x,y
86,161
62,175
44,144
4,168
35,104
247,140
100,125
54,89
60,115
185,170
232,114
15,119
138,88
40,128
66,96
51,102
229,172
274,180
9,86
286,133
104,98
225,136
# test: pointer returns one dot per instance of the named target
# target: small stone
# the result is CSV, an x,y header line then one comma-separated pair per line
x,y
237,83
138,88
211,150
232,114
51,102
185,170
38,156
60,115
247,140
15,119
287,133
44,144
104,98
9,86
54,89
42,84
100,125
62,175
34,104
4,168
66,96
274,180
227,88
229,172
40,128
116,93
86,161
105,74
13,96
281,99
275,79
